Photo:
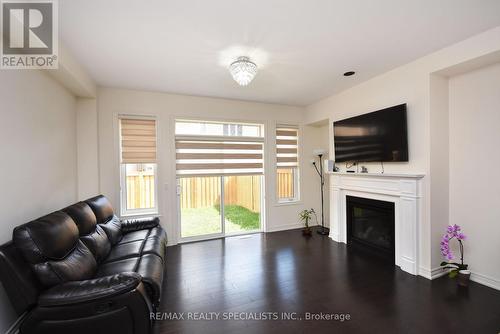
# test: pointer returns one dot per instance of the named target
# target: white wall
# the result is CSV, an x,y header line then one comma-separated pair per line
x,y
439,165
412,84
314,137
38,150
87,148
166,107
474,101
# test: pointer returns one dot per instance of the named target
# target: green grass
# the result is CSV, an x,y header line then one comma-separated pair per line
x,y
244,218
201,221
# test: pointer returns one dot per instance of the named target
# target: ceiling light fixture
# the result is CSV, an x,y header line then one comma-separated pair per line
x,y
348,74
243,70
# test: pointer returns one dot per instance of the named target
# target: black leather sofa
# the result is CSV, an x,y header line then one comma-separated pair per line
x,y
83,270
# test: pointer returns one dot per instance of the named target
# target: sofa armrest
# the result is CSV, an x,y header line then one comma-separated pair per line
x,y
89,290
129,225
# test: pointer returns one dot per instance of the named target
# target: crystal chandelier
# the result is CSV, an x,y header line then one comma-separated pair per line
x,y
243,70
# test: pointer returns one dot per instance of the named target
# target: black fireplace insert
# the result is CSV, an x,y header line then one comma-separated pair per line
x,y
370,225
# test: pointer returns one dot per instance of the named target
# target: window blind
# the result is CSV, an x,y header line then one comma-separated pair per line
x,y
138,140
287,146
218,156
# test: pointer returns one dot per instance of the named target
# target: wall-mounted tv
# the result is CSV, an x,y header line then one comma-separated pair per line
x,y
377,136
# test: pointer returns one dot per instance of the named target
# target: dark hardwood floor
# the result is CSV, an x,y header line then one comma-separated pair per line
x,y
283,272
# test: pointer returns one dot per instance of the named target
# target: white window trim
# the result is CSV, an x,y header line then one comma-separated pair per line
x,y
123,196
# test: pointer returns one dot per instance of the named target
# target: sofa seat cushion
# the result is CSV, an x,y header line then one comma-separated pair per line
x,y
120,266
156,246
125,250
158,232
134,236
146,245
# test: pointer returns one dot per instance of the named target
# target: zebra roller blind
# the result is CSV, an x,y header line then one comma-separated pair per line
x,y
138,140
287,146
219,156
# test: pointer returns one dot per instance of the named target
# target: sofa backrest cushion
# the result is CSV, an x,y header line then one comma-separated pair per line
x,y
106,218
91,234
113,229
52,247
102,208
79,265
49,237
83,216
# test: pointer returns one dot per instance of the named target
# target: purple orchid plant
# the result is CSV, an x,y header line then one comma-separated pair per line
x,y
453,232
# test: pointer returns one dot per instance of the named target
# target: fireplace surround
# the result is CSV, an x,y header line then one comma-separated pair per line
x,y
403,190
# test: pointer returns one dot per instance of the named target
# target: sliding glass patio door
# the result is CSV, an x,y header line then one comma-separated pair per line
x,y
214,206
219,167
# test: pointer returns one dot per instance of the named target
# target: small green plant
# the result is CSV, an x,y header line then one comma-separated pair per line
x,y
306,216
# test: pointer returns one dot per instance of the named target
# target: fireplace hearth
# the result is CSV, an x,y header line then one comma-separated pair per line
x,y
371,225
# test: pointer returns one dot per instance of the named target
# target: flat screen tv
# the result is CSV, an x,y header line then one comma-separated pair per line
x,y
377,136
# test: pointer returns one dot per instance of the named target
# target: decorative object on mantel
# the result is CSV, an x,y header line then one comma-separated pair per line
x,y
329,166
456,269
364,169
305,216
319,153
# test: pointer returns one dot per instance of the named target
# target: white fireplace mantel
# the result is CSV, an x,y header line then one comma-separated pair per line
x,y
404,190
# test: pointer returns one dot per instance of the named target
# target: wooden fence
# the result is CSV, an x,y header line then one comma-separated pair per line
x,y
285,183
141,191
199,192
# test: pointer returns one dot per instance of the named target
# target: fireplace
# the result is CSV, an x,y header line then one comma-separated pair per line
x,y
370,225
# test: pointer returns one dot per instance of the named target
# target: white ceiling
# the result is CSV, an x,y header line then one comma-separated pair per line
x,y
301,47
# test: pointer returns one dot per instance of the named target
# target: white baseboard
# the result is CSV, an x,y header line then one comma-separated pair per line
x,y
284,227
431,274
334,236
485,280
476,277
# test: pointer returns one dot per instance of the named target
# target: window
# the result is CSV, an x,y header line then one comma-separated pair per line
x,y
287,164
206,128
138,166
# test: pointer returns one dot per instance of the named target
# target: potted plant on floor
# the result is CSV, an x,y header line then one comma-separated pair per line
x,y
306,216
459,270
